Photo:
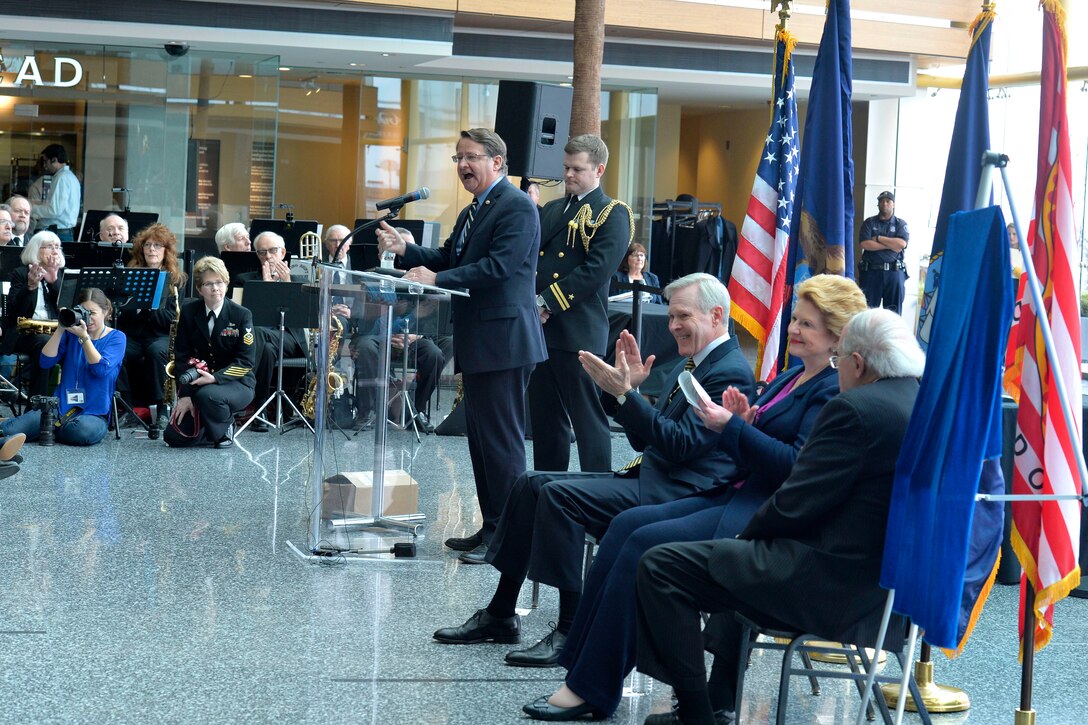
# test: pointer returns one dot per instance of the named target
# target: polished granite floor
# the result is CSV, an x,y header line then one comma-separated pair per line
x,y
146,584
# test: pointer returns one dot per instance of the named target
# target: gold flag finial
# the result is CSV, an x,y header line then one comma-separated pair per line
x,y
783,9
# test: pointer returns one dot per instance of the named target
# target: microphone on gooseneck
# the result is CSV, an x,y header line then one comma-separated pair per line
x,y
399,201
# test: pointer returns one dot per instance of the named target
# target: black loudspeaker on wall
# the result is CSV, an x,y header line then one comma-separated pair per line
x,y
534,121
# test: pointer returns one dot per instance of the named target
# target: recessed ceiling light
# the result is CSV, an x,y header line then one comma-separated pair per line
x,y
244,75
386,55
283,67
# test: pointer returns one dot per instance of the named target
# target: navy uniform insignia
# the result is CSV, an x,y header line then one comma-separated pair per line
x,y
248,337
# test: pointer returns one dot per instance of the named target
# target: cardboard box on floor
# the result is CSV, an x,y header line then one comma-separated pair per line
x,y
349,494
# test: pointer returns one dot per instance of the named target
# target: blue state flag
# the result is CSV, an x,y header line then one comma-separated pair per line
x,y
822,228
939,539
970,137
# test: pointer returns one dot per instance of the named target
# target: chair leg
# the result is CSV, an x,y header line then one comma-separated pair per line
x,y
807,662
784,678
536,595
747,637
912,685
878,694
116,419
588,561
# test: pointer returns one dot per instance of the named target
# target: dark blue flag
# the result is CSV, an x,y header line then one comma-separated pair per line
x,y
938,538
970,137
822,229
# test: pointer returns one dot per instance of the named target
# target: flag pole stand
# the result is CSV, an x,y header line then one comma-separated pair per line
x,y
1024,714
937,698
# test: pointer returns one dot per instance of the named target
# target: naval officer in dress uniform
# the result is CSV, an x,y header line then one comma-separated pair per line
x,y
583,239
219,332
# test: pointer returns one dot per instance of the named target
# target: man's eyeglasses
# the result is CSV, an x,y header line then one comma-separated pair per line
x,y
7,225
471,158
268,252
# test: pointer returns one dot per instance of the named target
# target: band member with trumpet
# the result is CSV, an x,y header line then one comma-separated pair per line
x,y
89,352
148,331
32,303
213,361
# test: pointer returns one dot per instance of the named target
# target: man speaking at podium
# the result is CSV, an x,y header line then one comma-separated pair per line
x,y
497,337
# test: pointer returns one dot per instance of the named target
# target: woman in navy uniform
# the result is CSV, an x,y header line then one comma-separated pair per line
x,y
218,332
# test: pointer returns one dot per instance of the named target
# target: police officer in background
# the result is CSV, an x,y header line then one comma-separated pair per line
x,y
583,238
883,239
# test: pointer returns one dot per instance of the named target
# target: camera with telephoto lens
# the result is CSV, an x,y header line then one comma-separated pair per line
x,y
70,316
49,407
190,376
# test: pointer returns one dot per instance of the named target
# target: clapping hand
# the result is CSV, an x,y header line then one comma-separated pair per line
x,y
734,402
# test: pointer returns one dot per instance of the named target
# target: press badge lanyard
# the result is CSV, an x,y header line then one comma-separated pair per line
x,y
75,396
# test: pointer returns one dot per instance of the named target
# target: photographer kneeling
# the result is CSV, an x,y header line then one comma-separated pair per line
x,y
90,354
213,361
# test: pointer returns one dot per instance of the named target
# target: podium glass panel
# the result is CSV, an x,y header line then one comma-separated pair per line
x,y
368,490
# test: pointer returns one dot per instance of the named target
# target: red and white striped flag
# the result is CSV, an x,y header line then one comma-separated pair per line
x,y
758,282
1046,534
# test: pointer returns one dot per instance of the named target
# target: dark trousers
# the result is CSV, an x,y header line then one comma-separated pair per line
x,y
31,346
562,396
495,426
673,586
600,648
144,373
883,289
217,405
427,356
267,340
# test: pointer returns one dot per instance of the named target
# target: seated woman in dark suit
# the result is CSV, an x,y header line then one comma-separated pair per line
x,y
148,331
216,332
33,295
762,439
90,355
633,269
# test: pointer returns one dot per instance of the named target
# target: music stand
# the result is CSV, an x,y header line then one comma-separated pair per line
x,y
280,305
10,259
364,245
239,263
80,255
92,219
290,229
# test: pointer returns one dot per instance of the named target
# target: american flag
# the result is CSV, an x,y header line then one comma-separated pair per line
x,y
1046,533
759,273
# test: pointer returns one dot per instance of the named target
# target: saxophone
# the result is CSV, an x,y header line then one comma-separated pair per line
x,y
335,385
35,327
169,387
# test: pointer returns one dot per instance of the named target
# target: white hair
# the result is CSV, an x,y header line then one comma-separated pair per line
x,y
886,342
711,292
32,251
226,234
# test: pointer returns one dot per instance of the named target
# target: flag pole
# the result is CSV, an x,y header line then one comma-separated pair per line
x,y
1024,714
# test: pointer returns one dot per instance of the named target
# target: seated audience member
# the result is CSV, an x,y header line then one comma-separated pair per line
x,y
633,269
113,229
762,439
90,354
271,249
541,532
20,213
148,331
7,225
809,560
334,239
219,333
33,295
233,237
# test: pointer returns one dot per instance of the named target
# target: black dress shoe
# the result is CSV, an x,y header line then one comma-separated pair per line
x,y
541,709
482,627
258,426
476,556
224,442
544,653
721,717
468,543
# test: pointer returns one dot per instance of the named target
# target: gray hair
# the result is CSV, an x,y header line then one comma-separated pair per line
x,y
341,227
102,224
491,141
32,251
7,208
226,234
276,239
886,342
15,197
712,293
594,148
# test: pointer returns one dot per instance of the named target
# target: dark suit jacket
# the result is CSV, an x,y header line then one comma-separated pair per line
x,y
811,556
228,350
766,451
573,280
498,326
675,444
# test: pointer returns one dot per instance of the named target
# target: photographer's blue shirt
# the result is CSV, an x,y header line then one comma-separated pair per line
x,y
97,381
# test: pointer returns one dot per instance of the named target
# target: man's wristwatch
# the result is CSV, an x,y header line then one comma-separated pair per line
x,y
622,397
542,303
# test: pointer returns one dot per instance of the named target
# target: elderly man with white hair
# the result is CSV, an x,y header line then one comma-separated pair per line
x,y
810,558
233,237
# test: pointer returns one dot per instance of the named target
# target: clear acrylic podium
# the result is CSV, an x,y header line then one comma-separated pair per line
x,y
383,298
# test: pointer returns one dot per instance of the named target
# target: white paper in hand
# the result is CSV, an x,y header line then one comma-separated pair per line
x,y
695,393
